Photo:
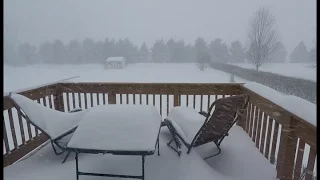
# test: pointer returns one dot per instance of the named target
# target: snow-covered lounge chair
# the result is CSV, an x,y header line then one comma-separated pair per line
x,y
58,126
197,128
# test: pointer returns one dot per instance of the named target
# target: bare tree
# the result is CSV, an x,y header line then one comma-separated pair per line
x,y
263,37
203,61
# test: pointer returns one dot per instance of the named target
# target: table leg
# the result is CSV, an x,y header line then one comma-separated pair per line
x,y
143,159
77,166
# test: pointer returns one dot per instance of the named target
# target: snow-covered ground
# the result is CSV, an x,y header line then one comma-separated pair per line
x,y
24,77
299,70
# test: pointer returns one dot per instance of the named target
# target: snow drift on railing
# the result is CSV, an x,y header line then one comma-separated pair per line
x,y
40,85
297,106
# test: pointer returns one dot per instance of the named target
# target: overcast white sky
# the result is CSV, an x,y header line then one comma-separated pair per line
x,y
36,21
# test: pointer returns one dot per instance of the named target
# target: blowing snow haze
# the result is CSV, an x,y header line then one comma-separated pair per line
x,y
37,21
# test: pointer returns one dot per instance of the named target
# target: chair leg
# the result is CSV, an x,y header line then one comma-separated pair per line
x,y
64,160
158,147
176,150
55,151
219,151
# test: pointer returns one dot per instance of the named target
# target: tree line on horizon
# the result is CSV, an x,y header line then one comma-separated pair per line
x,y
170,51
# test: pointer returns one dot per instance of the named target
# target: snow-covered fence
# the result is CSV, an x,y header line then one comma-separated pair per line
x,y
302,88
281,135
286,138
162,95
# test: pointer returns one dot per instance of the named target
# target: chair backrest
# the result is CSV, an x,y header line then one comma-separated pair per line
x,y
51,122
225,113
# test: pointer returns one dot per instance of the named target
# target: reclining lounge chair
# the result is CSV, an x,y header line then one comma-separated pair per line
x,y
58,126
197,128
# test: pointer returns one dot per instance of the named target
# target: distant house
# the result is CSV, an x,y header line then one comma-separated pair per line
x,y
115,63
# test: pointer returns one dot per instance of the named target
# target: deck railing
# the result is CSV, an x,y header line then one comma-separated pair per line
x,y
281,137
278,134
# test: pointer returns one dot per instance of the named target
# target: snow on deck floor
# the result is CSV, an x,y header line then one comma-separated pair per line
x,y
239,159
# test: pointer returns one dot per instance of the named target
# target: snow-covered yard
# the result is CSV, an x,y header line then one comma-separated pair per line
x,y
298,70
24,77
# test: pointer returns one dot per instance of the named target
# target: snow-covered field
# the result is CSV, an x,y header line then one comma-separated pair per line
x,y
24,77
157,168
299,70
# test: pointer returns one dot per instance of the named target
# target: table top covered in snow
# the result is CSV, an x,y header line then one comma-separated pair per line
x,y
133,128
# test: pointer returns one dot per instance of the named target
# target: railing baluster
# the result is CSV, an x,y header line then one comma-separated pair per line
x,y
187,100
73,100
79,97
50,101
13,131
68,102
98,98
127,98
268,141
194,101
167,104
209,102
161,104
45,101
35,128
23,139
85,101
298,164
5,137
263,132
104,98
91,99
201,102
147,99
251,120
274,142
121,99
254,124
259,122
134,98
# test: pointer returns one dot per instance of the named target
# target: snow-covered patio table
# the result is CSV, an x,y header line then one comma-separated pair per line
x,y
119,130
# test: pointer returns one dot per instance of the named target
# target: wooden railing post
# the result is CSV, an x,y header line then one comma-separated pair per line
x,y
287,148
176,97
111,96
58,98
242,121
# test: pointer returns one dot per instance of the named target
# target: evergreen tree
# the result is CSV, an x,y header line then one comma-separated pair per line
x,y
237,52
299,54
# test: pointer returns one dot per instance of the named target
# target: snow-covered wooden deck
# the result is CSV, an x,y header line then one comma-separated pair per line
x,y
240,159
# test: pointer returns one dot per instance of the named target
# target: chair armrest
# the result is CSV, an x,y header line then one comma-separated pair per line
x,y
203,113
75,110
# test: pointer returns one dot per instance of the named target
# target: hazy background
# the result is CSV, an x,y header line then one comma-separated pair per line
x,y
36,21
